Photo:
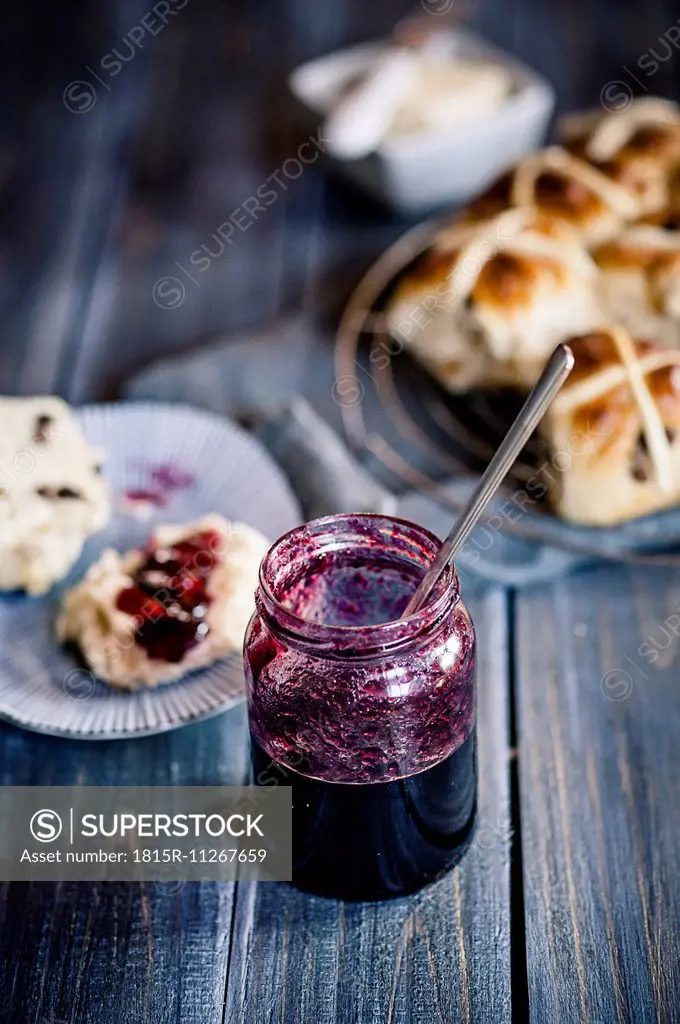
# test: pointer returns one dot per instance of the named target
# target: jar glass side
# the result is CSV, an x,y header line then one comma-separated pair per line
x,y
359,703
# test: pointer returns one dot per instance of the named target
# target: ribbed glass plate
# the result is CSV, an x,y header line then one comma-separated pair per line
x,y
195,462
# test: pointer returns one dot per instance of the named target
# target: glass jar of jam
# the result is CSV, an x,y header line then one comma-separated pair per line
x,y
369,717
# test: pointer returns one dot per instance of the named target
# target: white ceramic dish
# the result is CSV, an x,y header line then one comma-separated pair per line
x,y
414,173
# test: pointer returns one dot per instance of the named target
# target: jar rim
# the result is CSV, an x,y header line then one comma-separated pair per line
x,y
363,640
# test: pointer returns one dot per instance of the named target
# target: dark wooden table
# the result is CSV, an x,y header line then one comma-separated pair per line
x,y
567,905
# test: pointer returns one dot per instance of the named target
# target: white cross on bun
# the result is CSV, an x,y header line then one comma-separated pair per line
x,y
617,424
637,148
640,281
488,302
564,188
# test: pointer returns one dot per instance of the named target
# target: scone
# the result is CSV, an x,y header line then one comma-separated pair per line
x,y
150,616
52,496
617,421
488,302
565,189
638,148
640,282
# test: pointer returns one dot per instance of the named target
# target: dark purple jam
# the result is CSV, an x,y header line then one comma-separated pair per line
x,y
365,594
372,841
370,719
170,596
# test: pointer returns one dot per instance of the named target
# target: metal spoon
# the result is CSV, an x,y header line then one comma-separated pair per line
x,y
557,370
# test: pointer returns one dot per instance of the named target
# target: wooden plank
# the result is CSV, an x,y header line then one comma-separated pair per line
x,y
67,181
113,952
84,317
442,956
597,683
306,248
74,953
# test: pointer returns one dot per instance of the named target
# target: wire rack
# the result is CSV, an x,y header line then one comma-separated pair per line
x,y
421,434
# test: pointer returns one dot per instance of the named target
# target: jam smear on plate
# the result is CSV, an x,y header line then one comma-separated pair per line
x,y
170,598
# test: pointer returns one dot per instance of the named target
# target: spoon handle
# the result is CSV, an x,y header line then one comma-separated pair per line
x,y
557,370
